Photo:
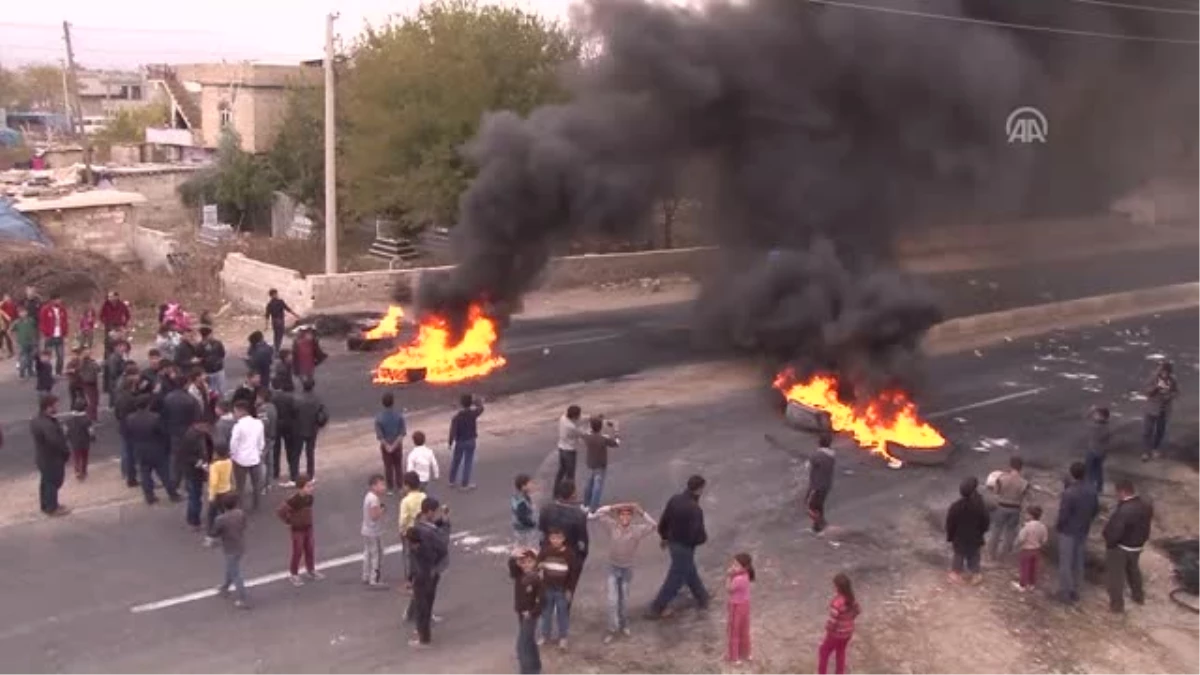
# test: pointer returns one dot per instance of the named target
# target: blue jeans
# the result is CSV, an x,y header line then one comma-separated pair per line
x,y
1154,428
528,655
682,573
195,492
595,486
27,357
233,575
554,601
55,344
1070,565
619,579
464,457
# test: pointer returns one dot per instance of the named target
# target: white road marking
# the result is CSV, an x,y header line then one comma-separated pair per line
x,y
459,537
984,404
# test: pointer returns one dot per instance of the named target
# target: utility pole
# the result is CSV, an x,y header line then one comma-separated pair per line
x,y
73,103
331,225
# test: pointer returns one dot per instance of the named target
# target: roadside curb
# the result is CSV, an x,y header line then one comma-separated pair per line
x,y
970,332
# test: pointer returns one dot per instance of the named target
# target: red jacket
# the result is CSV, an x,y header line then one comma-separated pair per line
x,y
46,320
841,617
114,314
9,307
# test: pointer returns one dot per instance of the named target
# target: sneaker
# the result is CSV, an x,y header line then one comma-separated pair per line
x,y
436,618
626,632
416,643
286,484
241,604
541,641
562,644
209,542
1017,585
315,575
609,637
469,487
296,580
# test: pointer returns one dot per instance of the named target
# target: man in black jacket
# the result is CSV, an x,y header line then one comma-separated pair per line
x,y
180,410
260,356
212,359
565,514
1124,537
309,416
429,542
1076,510
149,442
50,442
681,528
967,522
195,453
124,404
820,481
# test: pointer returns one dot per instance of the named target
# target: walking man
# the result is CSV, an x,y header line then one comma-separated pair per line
x,y
1076,510
1011,489
52,455
390,430
275,318
246,444
1160,393
681,529
820,482
1098,441
1125,536
596,445
569,434
464,433
310,418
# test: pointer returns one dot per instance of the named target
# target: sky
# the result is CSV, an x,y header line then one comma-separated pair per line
x,y
126,33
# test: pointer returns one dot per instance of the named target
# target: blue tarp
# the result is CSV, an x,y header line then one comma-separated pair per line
x,y
16,226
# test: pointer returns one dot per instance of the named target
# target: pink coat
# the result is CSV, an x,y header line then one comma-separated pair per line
x,y
739,588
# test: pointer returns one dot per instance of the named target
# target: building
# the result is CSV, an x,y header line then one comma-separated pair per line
x,y
102,93
248,97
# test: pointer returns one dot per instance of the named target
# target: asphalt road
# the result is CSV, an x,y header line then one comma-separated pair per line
x,y
70,586
583,347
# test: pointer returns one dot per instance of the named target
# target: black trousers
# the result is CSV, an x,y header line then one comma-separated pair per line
x,y
277,332
48,487
307,446
420,607
1121,566
566,465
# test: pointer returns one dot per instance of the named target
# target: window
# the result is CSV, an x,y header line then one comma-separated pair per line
x,y
135,92
225,111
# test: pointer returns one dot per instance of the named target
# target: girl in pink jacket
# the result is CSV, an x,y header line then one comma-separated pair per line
x,y
741,573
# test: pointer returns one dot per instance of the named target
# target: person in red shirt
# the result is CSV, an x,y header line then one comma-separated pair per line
x,y
8,314
54,326
843,609
306,355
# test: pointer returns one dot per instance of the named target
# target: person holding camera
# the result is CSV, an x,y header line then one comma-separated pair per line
x,y
596,445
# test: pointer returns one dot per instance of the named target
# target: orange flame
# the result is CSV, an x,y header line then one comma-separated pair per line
x,y
444,362
889,418
388,326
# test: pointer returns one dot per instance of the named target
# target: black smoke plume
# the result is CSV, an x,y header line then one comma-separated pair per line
x,y
824,132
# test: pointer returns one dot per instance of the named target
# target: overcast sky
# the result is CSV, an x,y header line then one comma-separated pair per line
x,y
126,33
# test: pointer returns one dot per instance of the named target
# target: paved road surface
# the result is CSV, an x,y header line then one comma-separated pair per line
x,y
69,586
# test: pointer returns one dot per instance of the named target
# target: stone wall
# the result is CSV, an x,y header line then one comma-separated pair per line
x,y
152,246
104,229
246,282
163,209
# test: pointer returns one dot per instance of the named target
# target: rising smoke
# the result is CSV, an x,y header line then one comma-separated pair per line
x,y
822,131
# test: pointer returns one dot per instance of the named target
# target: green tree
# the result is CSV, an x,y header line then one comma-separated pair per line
x,y
417,90
40,87
130,124
240,184
298,154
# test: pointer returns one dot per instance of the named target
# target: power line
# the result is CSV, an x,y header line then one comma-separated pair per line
x,y
108,29
1002,24
1156,9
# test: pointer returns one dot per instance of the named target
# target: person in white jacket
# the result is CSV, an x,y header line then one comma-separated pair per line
x,y
422,460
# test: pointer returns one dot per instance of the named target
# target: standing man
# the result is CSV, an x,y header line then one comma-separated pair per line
x,y
114,369
596,446
125,404
820,481
568,443
1011,489
144,430
1076,510
88,372
390,430
310,418
179,412
114,316
33,302
52,454
246,443
196,452
52,320
307,354
1098,441
1160,393
274,315
464,434
8,314
212,360
1125,536
564,514
259,357
681,529
429,540
283,377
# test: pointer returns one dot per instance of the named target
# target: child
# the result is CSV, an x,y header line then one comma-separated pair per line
x,y
625,535
25,330
524,516
230,528
220,484
297,512
45,374
527,591
87,327
560,572
741,573
820,481
422,460
410,508
80,435
843,609
1030,540
372,531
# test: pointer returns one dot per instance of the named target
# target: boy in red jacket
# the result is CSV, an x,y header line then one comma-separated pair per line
x,y
53,324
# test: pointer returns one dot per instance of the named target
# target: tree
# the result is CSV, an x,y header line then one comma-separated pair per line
x,y
417,91
39,87
298,154
130,124
240,184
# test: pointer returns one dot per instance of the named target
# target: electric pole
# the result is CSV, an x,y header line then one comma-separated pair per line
x,y
331,225
73,103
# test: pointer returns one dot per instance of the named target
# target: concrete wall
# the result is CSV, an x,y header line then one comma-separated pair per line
x,y
107,229
246,282
152,246
163,209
